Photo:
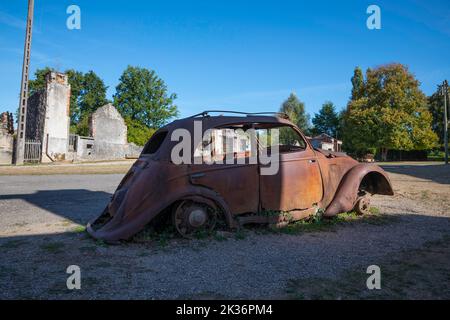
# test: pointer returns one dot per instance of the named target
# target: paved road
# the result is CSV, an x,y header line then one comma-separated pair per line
x,y
37,214
30,201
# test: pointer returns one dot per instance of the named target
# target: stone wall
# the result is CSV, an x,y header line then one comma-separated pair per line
x,y
36,116
85,148
6,138
56,128
109,131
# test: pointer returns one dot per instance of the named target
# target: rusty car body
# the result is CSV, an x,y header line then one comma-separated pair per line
x,y
197,195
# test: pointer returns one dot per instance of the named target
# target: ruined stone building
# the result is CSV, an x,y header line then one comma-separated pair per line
x,y
6,137
108,137
48,137
48,118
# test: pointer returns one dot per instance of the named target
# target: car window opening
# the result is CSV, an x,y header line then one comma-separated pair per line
x,y
155,142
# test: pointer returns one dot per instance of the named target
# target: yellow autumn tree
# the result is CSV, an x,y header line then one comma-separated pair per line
x,y
389,112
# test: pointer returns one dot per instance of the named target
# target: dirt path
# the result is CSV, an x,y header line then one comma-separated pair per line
x,y
40,236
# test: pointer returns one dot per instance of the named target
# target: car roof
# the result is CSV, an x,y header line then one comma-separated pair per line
x,y
210,121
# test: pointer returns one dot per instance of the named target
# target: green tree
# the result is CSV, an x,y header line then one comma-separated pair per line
x,y
93,94
295,110
392,114
143,100
38,83
142,96
327,120
75,79
436,108
138,133
358,84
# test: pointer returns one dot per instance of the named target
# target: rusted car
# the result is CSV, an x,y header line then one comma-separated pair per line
x,y
195,196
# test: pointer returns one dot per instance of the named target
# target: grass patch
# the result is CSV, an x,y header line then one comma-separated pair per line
x,y
79,229
101,243
315,223
240,234
374,210
318,224
161,236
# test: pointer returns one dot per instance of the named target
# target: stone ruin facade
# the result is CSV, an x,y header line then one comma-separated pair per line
x,y
108,137
48,122
48,118
6,138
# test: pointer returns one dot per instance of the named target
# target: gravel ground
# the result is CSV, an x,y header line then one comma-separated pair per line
x,y
39,239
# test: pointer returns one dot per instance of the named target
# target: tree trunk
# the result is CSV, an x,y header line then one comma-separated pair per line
x,y
384,152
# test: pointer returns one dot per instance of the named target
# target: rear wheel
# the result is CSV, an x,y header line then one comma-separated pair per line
x,y
190,217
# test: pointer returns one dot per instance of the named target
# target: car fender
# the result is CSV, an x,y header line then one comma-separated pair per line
x,y
123,225
347,193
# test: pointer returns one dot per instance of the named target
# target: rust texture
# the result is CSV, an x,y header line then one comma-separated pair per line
x,y
198,194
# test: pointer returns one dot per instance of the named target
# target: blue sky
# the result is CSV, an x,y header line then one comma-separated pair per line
x,y
238,55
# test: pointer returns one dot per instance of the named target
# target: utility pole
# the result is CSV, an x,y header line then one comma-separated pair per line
x,y
444,92
21,124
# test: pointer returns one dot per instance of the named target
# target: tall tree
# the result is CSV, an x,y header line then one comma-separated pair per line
x,y
91,97
358,84
392,114
38,83
436,108
295,110
143,99
327,120
93,93
75,79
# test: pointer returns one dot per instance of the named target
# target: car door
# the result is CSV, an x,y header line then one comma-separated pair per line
x,y
297,184
237,183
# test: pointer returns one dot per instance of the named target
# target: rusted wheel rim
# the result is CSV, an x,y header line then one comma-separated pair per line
x,y
190,218
363,205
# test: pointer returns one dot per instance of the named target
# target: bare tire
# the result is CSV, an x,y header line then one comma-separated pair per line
x,y
362,206
191,217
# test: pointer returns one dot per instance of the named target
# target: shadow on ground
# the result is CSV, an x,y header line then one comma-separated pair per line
x,y
436,173
77,205
258,266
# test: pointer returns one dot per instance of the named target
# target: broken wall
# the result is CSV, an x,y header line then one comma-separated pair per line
x,y
109,131
36,116
57,122
6,138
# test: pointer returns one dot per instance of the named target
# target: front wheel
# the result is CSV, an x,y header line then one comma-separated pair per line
x,y
362,205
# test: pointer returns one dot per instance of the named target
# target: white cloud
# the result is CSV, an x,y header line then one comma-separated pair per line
x,y
11,21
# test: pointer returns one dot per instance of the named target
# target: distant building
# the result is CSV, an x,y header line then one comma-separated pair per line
x,y
48,135
325,142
